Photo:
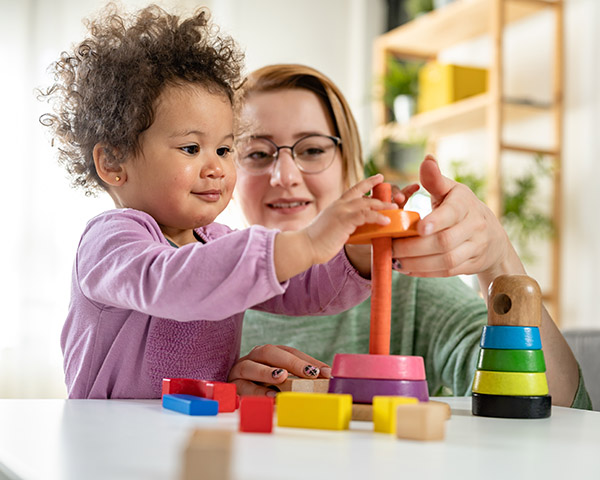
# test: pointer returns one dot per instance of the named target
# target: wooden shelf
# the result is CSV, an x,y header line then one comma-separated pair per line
x,y
455,23
460,21
461,116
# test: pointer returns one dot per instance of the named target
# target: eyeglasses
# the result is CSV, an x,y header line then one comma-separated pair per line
x,y
312,154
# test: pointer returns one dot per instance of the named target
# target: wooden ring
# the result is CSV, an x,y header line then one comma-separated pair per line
x,y
510,383
403,224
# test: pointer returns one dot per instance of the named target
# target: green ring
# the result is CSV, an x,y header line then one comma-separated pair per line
x,y
497,360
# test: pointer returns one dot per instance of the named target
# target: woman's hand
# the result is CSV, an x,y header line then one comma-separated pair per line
x,y
271,364
460,236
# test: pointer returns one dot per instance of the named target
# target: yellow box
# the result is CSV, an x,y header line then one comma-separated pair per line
x,y
384,412
442,84
326,411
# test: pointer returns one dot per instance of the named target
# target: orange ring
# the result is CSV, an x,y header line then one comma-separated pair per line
x,y
403,224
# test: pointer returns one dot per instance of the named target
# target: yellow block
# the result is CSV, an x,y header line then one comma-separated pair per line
x,y
510,383
384,412
442,84
326,411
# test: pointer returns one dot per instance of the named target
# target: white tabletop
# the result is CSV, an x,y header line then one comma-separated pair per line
x,y
138,439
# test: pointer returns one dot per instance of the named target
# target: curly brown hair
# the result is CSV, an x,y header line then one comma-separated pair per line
x,y
105,90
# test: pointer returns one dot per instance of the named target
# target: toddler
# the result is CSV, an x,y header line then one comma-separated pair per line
x,y
144,109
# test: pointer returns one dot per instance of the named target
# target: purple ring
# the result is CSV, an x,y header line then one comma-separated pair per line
x,y
364,389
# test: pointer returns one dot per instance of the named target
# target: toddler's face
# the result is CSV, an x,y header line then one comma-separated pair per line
x,y
185,175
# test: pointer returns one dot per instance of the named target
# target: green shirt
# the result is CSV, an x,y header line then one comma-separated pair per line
x,y
439,319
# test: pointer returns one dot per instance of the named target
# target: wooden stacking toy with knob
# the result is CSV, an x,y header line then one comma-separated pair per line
x,y
379,373
510,381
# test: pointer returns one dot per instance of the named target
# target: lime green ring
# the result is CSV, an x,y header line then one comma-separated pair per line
x,y
511,360
510,383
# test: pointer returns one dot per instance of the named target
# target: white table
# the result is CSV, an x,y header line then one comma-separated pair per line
x,y
138,439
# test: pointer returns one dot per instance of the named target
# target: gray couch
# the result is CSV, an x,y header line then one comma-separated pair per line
x,y
586,348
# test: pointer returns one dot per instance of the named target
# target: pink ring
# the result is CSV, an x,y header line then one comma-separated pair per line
x,y
379,367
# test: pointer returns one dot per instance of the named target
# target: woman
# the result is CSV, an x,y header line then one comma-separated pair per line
x,y
299,149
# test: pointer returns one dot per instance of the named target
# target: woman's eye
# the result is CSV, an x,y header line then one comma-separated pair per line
x,y
191,149
257,155
223,151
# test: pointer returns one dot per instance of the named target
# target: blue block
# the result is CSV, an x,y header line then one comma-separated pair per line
x,y
508,337
190,404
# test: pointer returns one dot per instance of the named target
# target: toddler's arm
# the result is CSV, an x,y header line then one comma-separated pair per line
x,y
326,235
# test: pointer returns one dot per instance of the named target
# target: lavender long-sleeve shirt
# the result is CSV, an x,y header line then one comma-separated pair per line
x,y
142,310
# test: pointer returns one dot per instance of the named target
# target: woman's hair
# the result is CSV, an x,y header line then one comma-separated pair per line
x,y
286,76
105,89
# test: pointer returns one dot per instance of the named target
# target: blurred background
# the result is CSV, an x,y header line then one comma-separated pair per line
x,y
459,86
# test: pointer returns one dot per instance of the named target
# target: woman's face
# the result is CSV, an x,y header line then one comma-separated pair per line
x,y
284,197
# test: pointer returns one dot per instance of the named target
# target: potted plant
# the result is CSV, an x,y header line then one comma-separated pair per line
x,y
401,87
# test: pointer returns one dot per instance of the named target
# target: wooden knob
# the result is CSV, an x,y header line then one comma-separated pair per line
x,y
515,300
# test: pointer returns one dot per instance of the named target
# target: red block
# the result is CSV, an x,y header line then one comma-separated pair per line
x,y
224,393
256,414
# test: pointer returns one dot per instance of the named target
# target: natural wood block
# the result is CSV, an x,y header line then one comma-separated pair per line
x,y
421,421
510,383
207,455
325,411
515,300
307,385
362,412
384,412
445,406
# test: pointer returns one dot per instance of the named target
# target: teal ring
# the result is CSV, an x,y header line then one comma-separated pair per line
x,y
509,337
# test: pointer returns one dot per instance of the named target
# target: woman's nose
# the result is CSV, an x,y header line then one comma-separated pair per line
x,y
285,172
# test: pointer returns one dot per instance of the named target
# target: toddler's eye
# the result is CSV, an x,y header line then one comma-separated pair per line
x,y
223,151
191,149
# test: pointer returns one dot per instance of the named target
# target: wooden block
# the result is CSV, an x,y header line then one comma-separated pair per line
x,y
510,383
256,414
207,455
364,389
515,300
324,411
511,360
362,412
307,385
510,338
224,393
190,404
384,412
421,421
383,367
445,406
504,406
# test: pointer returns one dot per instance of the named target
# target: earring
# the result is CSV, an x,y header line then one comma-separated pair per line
x,y
117,179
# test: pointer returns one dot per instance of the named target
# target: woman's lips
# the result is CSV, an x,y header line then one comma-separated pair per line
x,y
209,195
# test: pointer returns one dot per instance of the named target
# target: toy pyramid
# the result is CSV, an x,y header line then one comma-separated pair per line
x,y
510,381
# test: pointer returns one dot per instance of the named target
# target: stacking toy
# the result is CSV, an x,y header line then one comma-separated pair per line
x,y
510,381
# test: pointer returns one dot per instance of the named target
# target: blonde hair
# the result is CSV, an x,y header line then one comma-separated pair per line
x,y
288,76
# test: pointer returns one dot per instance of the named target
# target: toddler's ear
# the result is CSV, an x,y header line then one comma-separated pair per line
x,y
109,169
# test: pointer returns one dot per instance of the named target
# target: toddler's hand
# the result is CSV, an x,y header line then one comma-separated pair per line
x,y
271,364
330,230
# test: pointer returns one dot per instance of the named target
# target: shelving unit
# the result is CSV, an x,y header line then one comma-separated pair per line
x,y
463,20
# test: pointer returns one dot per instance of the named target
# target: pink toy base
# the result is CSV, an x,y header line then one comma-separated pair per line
x,y
378,367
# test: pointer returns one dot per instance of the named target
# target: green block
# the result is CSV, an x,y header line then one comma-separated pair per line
x,y
511,360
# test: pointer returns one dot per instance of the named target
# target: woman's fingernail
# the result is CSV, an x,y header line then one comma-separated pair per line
x,y
428,229
311,371
277,372
396,265
271,393
326,372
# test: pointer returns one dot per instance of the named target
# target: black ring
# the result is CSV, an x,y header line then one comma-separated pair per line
x,y
505,406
